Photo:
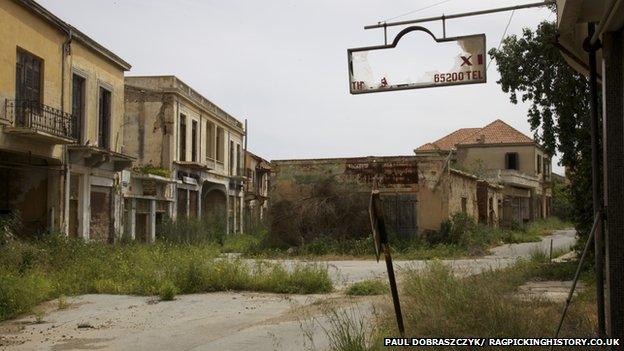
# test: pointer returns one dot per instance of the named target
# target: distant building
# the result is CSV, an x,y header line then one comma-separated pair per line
x,y
172,128
257,172
418,192
502,155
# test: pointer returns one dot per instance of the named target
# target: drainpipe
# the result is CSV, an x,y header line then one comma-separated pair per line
x,y
65,51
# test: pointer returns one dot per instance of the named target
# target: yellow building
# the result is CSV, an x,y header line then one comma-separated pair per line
x,y
61,125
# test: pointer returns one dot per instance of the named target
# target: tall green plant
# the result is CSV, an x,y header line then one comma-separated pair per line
x,y
533,69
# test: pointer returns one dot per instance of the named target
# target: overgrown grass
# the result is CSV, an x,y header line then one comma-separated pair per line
x,y
438,303
54,266
367,287
459,237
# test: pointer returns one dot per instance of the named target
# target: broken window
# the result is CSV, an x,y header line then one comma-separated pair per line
x,y
104,119
511,160
464,204
182,139
194,141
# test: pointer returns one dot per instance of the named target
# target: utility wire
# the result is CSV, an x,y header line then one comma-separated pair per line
x,y
502,37
417,10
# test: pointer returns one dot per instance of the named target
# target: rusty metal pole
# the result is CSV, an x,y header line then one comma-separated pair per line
x,y
595,147
379,228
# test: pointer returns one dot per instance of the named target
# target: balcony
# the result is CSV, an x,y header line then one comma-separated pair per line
x,y
514,178
42,122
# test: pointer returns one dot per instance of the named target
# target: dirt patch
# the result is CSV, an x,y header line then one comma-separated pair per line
x,y
82,344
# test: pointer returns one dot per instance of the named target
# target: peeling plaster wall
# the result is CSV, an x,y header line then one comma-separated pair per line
x,y
463,187
149,126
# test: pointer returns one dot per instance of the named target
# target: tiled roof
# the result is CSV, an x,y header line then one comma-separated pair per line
x,y
448,142
497,132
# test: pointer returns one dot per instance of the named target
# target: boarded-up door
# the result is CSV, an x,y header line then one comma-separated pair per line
x,y
100,226
400,215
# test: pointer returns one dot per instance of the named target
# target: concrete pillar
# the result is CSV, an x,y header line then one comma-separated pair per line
x,y
66,187
132,219
188,203
84,208
613,134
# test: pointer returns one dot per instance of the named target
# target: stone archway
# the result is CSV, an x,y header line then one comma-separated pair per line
x,y
214,203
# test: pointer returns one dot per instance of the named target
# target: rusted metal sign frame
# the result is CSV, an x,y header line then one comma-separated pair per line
x,y
393,45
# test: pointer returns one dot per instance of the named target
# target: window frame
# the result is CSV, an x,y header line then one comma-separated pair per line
x,y
104,129
182,137
516,162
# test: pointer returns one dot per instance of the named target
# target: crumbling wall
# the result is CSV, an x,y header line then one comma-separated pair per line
x,y
463,194
148,126
330,197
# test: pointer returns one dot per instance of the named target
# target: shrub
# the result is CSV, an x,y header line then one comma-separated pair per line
x,y
367,287
167,291
20,293
10,226
193,230
332,210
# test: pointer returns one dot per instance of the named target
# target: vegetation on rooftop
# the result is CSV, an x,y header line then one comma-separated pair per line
x,y
151,169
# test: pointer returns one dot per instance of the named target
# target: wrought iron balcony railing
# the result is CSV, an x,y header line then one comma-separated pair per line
x,y
39,117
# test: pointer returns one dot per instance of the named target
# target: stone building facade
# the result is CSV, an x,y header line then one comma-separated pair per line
x,y
502,155
172,128
257,173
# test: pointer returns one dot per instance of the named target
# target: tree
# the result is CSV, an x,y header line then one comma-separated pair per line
x,y
532,68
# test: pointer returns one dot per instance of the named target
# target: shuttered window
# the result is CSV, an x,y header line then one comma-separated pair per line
x,y
28,77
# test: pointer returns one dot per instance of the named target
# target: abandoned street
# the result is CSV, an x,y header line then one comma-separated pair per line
x,y
225,320
255,176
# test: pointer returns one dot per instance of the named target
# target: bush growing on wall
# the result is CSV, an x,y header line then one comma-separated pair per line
x,y
332,210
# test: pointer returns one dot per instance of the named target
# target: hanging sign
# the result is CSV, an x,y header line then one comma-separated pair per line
x,y
417,63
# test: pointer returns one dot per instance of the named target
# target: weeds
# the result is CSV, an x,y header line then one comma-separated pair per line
x,y
208,229
168,291
62,302
32,272
367,287
442,304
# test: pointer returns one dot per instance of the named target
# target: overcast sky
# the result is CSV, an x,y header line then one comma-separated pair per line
x,y
281,64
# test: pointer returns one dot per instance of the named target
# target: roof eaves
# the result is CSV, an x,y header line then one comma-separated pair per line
x,y
68,28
